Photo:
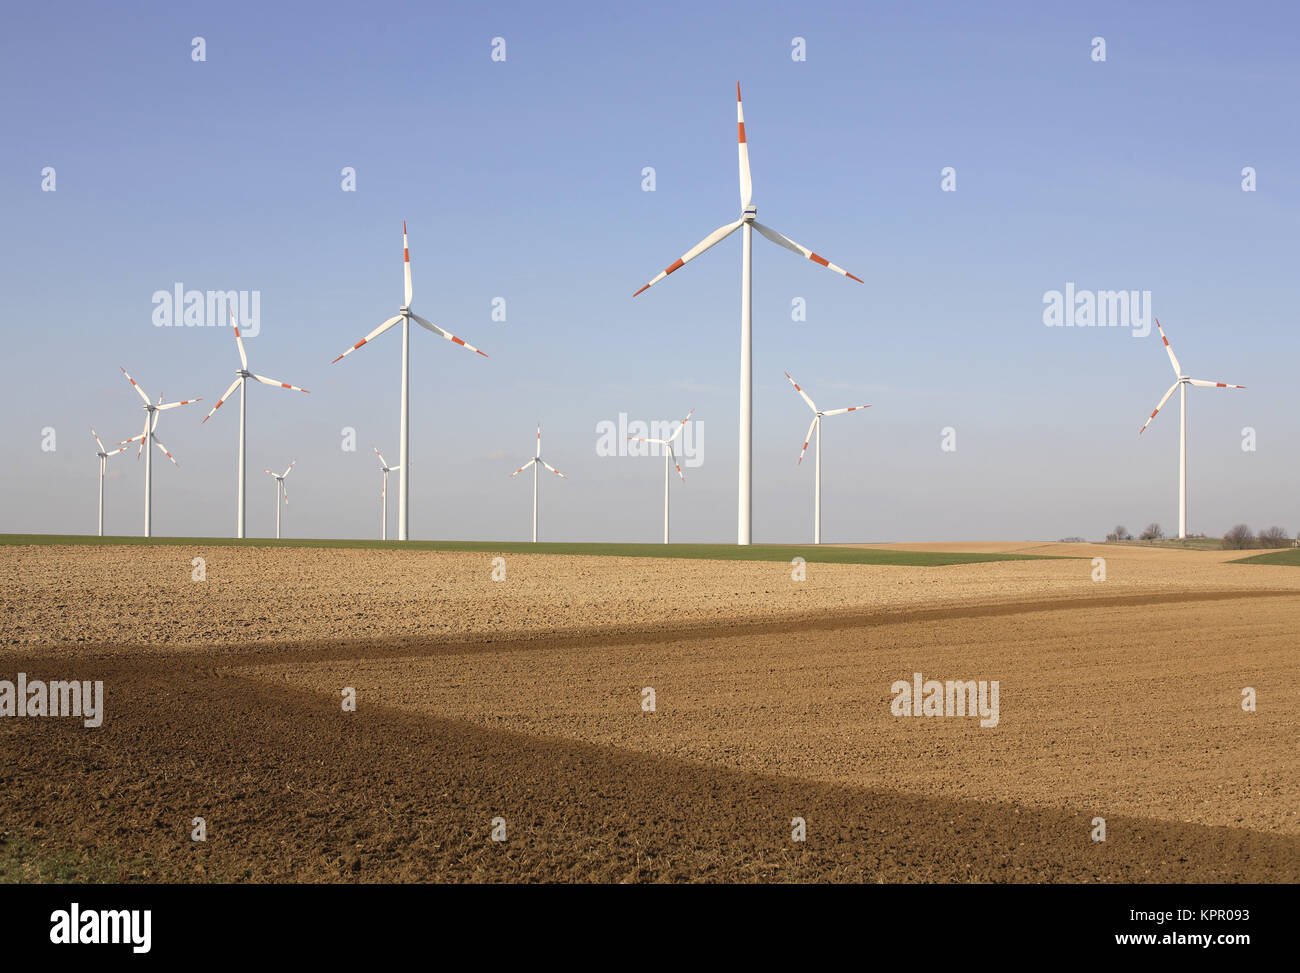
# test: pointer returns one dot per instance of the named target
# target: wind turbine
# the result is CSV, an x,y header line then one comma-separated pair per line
x,y
151,414
242,376
746,222
535,462
383,491
1181,384
103,457
816,428
280,491
668,458
405,315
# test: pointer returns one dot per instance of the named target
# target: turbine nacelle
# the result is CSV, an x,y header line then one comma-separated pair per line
x,y
750,214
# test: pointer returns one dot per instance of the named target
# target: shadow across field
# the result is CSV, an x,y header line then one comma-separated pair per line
x,y
294,789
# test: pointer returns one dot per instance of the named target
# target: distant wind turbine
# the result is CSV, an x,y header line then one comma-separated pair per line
x,y
240,382
747,221
816,430
103,458
1181,384
405,315
152,412
535,462
383,492
669,458
280,492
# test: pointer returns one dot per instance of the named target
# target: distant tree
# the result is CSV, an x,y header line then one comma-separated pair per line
x,y
1152,532
1274,537
1119,534
1238,538
1072,540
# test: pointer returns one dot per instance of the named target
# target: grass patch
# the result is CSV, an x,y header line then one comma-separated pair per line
x,y
721,552
1286,555
23,862
1185,544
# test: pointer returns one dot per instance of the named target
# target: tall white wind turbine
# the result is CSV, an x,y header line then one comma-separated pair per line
x,y
103,458
405,316
383,493
815,429
1182,382
746,222
280,493
669,458
535,463
151,413
242,375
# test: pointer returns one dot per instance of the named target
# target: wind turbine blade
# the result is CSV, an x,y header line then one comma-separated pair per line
x,y
446,334
165,453
808,438
224,395
284,492
789,244
524,467
840,412
681,425
717,236
286,472
1173,359
673,457
136,387
552,469
1158,407
115,451
284,385
1213,385
371,337
96,438
243,358
380,455
746,184
801,392
269,473
172,405
642,439
406,264
539,439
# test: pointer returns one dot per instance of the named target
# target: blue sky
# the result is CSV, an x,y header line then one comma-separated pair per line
x,y
522,180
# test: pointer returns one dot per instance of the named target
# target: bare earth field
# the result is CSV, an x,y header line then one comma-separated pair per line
x,y
522,699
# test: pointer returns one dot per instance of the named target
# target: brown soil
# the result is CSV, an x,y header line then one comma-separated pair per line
x,y
1119,700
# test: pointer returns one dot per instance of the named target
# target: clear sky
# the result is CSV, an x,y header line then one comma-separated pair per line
x,y
522,179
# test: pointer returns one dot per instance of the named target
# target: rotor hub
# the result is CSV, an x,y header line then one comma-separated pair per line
x,y
750,214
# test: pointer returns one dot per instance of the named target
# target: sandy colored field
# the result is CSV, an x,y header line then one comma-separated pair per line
x,y
1102,710
521,699
77,597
